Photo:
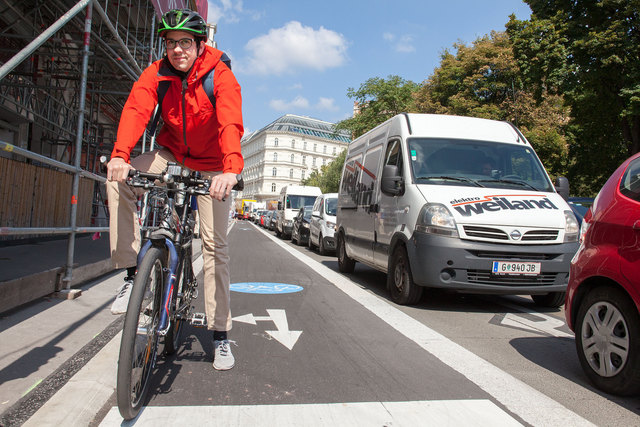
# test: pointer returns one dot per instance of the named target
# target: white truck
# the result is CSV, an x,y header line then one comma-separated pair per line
x,y
291,199
454,202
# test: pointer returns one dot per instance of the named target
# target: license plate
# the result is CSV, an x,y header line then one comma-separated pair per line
x,y
518,268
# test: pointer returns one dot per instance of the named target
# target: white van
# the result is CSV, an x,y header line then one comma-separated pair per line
x,y
291,199
454,202
323,223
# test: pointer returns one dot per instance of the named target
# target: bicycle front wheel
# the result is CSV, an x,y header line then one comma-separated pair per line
x,y
138,348
181,303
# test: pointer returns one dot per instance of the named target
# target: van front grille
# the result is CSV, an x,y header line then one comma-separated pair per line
x,y
492,233
485,232
486,277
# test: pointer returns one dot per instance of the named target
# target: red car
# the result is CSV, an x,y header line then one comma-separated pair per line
x,y
602,305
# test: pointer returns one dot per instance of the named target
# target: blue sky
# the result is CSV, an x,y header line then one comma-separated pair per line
x,y
300,57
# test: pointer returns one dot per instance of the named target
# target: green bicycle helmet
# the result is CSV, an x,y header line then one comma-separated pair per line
x,y
182,20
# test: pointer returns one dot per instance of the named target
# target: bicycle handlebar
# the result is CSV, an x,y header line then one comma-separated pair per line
x,y
174,173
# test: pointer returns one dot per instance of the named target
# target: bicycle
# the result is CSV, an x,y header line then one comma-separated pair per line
x,y
164,285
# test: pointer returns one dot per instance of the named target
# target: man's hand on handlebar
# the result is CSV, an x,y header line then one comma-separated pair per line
x,y
118,169
221,185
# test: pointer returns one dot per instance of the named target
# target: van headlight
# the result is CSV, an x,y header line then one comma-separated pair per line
x,y
571,227
435,218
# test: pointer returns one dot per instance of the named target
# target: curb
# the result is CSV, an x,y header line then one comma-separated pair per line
x,y
22,290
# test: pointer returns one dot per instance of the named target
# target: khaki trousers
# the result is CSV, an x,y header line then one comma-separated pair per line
x,y
124,234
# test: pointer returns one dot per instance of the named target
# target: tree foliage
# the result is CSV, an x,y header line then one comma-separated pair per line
x,y
378,100
589,52
328,178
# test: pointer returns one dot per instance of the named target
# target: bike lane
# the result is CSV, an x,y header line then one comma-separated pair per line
x,y
311,347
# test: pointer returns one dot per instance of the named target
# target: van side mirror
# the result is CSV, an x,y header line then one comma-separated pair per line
x,y
279,206
392,183
562,186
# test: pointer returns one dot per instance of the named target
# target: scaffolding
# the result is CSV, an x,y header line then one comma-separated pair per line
x,y
66,69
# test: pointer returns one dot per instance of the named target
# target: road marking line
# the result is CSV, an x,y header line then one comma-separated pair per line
x,y
523,400
470,412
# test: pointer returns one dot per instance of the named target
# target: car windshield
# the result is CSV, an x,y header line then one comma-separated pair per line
x,y
331,206
476,163
307,212
296,202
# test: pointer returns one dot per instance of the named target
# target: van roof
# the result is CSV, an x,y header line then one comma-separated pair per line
x,y
458,127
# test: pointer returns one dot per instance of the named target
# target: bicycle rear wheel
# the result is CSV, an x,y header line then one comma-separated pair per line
x,y
181,302
138,348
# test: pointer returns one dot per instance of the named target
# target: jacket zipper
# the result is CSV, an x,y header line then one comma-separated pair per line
x,y
184,119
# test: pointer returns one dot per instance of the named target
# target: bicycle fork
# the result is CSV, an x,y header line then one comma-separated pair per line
x,y
165,317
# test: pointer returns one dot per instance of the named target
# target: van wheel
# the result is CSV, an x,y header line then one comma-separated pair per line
x,y
345,264
552,299
321,248
400,281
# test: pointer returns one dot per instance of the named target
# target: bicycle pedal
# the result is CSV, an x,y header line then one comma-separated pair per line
x,y
198,320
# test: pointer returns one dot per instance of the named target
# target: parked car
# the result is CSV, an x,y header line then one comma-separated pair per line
x,y
323,223
273,219
580,206
300,230
603,296
264,219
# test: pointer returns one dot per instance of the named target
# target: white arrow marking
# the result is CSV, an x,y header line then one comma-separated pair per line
x,y
279,317
546,324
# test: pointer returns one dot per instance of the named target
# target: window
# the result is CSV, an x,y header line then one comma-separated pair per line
x,y
275,157
334,151
304,160
292,157
275,142
324,150
274,172
313,164
315,146
293,143
303,173
273,187
324,162
290,173
630,182
305,145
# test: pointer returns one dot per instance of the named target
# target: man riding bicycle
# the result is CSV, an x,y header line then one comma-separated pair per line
x,y
197,134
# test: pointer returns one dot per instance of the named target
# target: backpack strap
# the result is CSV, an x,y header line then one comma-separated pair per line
x,y
207,80
163,87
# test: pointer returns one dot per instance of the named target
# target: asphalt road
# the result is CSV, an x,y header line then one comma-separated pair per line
x,y
330,349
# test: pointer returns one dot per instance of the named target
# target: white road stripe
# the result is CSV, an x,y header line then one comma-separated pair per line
x,y
523,400
357,414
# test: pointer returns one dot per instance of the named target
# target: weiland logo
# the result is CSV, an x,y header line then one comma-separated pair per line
x,y
468,206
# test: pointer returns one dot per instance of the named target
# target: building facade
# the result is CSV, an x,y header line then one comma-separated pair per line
x,y
287,151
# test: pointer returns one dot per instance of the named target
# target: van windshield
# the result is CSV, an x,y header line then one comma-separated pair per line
x,y
331,206
476,163
296,202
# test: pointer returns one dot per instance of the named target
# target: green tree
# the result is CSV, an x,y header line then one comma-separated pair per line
x,y
378,100
588,51
328,178
484,80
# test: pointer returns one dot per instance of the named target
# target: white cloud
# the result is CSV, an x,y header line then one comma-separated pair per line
x,y
298,102
231,11
404,44
294,47
327,104
301,103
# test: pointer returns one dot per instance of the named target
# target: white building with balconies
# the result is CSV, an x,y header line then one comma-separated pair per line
x,y
285,152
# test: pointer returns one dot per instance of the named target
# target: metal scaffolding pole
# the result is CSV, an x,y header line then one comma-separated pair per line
x,y
38,41
78,152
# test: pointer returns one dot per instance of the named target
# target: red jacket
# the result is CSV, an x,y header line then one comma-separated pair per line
x,y
212,135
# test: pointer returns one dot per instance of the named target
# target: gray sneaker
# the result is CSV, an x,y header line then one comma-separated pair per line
x,y
222,359
121,302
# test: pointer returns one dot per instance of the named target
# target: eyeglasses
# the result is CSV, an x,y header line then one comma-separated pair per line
x,y
184,43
